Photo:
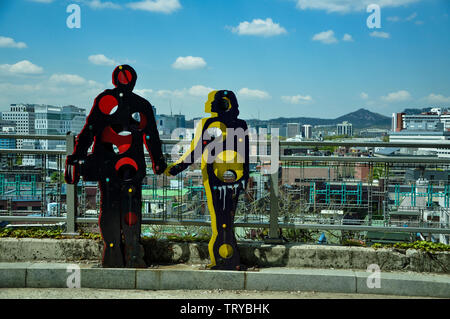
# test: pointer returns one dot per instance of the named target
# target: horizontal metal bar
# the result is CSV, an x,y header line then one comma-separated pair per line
x,y
368,228
268,142
351,159
150,221
32,152
366,144
34,137
42,219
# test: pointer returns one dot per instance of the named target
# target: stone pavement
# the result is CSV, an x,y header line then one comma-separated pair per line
x,y
193,277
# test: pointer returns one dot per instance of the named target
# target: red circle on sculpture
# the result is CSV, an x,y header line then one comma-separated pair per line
x,y
130,219
124,77
107,103
126,161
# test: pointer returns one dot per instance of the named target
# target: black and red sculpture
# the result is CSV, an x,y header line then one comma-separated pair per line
x,y
118,126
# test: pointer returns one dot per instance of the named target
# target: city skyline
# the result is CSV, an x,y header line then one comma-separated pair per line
x,y
283,58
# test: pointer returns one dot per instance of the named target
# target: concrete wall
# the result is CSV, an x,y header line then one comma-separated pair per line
x,y
252,254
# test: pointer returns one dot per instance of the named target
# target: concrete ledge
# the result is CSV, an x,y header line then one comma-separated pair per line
x,y
46,276
406,284
55,275
112,278
189,279
320,280
13,275
252,254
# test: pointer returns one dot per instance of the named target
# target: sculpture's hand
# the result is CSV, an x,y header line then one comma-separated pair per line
x,y
167,171
173,170
160,166
72,169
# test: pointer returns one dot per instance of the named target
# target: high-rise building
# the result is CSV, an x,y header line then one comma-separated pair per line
x,y
345,128
55,120
307,131
72,119
23,116
397,122
293,129
165,124
434,120
180,120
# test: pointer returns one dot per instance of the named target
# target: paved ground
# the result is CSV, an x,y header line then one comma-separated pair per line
x,y
86,293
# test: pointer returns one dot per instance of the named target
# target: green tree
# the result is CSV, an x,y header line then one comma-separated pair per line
x,y
57,177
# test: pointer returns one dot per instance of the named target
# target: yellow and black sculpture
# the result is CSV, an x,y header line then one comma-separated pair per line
x,y
222,143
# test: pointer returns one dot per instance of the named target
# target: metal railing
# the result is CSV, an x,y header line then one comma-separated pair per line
x,y
324,186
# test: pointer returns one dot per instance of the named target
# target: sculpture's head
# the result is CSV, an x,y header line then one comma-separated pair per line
x,y
124,77
222,102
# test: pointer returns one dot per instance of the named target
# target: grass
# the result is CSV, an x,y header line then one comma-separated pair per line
x,y
418,245
54,233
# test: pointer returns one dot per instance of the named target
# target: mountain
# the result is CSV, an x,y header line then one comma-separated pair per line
x,y
361,118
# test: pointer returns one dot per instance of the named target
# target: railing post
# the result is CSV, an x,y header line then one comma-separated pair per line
x,y
274,235
71,193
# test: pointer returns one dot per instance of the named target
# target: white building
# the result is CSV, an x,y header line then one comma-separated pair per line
x,y
23,116
345,128
307,131
407,136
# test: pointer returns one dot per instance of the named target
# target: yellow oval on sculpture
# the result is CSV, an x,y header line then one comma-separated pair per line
x,y
225,251
228,160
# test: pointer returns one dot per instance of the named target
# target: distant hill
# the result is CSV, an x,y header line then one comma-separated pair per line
x,y
363,118
360,119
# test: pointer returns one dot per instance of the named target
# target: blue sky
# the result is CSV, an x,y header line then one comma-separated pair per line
x,y
282,57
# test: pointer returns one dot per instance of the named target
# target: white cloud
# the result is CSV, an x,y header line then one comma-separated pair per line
x,y
411,17
297,99
98,4
58,89
393,19
194,91
259,27
100,59
161,6
253,94
398,96
71,79
347,37
364,95
438,98
24,67
6,42
380,34
200,90
347,6
189,63
326,37
143,92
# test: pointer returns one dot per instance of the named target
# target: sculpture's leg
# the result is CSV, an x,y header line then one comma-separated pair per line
x,y
131,218
109,222
223,248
